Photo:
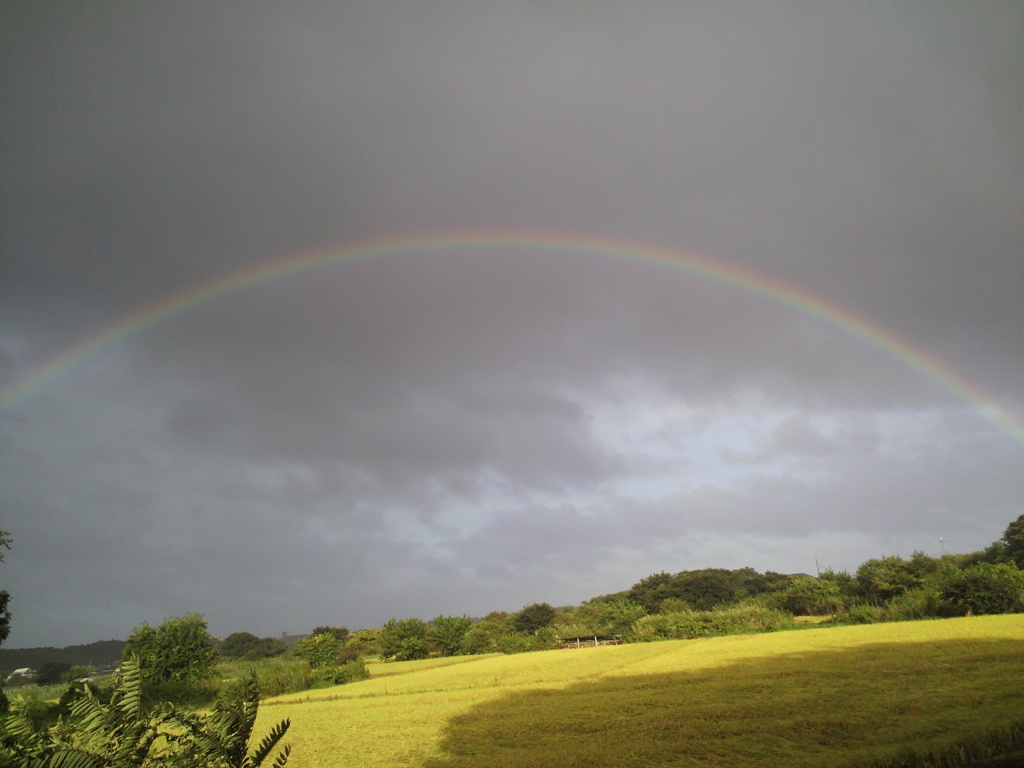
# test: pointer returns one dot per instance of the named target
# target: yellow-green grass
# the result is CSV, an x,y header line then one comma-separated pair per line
x,y
378,668
842,696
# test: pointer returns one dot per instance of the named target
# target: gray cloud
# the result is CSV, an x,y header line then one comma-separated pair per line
x,y
469,430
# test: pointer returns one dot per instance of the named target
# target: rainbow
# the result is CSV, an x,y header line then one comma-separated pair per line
x,y
691,265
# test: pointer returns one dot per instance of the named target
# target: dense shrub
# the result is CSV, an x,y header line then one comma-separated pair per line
x,y
746,618
176,658
861,613
349,672
920,604
612,617
984,589
496,633
522,642
808,596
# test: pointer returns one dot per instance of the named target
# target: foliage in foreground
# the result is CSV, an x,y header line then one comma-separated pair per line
x,y
122,733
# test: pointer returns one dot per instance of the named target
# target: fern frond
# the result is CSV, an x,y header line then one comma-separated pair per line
x,y
68,758
269,742
93,720
283,757
18,725
130,688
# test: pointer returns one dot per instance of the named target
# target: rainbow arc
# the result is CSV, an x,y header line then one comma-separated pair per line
x,y
744,281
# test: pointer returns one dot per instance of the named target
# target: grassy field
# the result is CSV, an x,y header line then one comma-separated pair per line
x,y
844,696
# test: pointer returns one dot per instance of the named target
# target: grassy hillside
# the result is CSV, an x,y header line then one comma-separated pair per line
x,y
847,696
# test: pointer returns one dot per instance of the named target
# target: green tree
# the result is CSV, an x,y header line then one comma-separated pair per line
x,y
5,615
180,650
707,588
534,617
360,643
703,589
881,579
245,645
404,640
237,644
651,590
339,632
483,636
1013,542
319,650
53,672
447,634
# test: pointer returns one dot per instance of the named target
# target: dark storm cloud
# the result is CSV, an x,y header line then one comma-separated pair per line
x,y
464,432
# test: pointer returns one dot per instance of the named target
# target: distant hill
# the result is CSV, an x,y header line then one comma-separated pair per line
x,y
103,654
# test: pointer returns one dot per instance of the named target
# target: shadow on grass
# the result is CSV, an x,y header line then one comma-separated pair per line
x,y
916,704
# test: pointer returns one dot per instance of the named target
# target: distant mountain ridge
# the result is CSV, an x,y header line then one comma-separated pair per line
x,y
103,654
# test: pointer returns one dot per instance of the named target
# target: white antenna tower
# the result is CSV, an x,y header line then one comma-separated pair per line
x,y
942,543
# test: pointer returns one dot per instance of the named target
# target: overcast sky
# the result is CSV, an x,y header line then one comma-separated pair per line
x,y
466,430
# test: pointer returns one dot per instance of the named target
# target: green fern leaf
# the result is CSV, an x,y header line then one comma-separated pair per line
x,y
268,743
283,757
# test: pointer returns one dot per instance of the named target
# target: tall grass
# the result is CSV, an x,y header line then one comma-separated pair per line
x,y
275,676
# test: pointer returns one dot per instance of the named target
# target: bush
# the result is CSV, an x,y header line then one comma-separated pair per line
x,y
861,613
984,589
745,618
611,617
808,596
179,655
914,606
